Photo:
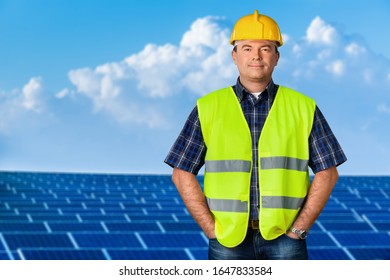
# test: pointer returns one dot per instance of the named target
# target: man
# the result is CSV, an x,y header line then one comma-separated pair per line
x,y
256,140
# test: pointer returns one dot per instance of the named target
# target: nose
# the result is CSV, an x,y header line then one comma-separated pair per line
x,y
257,55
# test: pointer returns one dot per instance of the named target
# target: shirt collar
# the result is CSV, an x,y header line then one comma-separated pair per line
x,y
241,92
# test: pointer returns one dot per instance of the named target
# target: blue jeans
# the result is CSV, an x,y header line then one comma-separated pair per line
x,y
254,247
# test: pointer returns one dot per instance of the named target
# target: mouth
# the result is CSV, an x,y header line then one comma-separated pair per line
x,y
256,65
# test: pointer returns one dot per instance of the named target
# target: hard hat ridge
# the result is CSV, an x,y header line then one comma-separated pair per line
x,y
256,27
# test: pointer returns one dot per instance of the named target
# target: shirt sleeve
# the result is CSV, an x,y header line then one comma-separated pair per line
x,y
325,151
189,150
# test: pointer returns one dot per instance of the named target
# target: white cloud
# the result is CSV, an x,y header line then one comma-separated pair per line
x,y
286,38
355,49
383,108
336,67
320,32
18,103
158,72
157,69
297,49
204,32
63,93
368,75
326,53
31,95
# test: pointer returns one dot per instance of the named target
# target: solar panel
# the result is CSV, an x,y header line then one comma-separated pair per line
x,y
120,216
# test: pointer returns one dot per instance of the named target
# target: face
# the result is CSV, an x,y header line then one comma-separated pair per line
x,y
255,60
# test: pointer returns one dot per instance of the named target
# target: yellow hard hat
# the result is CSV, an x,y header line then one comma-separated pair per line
x,y
256,27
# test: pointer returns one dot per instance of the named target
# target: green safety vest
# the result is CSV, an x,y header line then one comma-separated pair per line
x,y
283,162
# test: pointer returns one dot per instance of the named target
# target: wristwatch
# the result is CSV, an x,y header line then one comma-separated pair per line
x,y
302,234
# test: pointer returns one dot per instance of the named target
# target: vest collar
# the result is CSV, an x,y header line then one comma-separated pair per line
x,y
241,92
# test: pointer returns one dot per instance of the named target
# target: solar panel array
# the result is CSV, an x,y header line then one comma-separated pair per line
x,y
141,217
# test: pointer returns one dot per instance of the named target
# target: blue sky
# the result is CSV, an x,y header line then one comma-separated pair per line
x,y
105,86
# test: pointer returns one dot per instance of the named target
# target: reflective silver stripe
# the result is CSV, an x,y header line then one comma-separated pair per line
x,y
227,205
285,202
227,166
284,163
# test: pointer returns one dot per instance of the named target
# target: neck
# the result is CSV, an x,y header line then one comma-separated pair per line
x,y
254,86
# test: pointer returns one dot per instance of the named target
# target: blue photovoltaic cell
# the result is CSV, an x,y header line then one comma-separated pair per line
x,y
382,226
346,226
200,253
13,217
16,241
120,216
370,239
3,256
75,227
104,240
21,227
62,254
180,226
315,227
95,217
372,253
340,216
135,226
173,240
316,239
379,216
328,254
151,219
65,218
148,255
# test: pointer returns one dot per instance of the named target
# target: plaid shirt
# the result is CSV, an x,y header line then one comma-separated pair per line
x,y
188,152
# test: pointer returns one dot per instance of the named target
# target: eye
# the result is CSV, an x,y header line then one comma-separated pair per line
x,y
266,49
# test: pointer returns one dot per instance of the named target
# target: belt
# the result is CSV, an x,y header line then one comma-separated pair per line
x,y
253,224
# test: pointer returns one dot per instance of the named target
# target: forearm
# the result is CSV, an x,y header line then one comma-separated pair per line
x,y
319,193
193,197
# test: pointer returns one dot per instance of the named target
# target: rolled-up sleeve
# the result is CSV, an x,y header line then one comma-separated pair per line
x,y
325,151
189,150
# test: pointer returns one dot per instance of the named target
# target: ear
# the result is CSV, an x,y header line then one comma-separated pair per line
x,y
234,56
277,57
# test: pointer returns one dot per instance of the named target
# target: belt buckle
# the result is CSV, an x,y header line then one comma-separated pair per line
x,y
254,224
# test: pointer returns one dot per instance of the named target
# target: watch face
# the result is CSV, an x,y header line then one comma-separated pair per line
x,y
303,234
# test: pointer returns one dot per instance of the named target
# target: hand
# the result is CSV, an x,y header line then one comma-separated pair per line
x,y
292,235
210,233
